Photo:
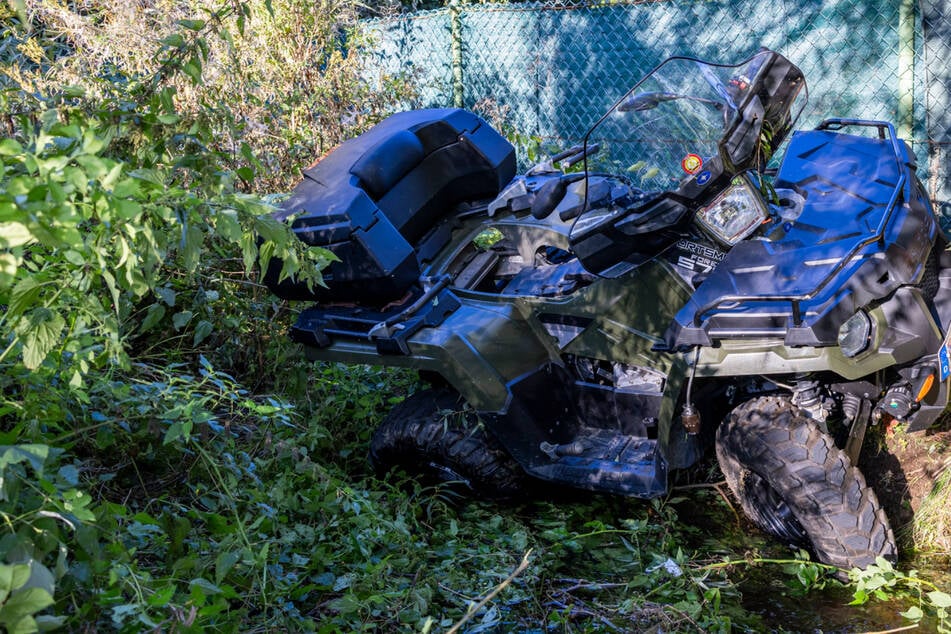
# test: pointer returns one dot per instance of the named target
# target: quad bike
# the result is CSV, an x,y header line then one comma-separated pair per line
x,y
600,320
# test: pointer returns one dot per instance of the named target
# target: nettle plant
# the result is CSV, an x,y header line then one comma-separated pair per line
x,y
90,244
122,231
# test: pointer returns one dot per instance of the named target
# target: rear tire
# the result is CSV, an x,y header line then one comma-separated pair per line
x,y
794,483
431,435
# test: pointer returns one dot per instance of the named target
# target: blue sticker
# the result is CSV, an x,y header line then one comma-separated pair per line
x,y
945,362
703,177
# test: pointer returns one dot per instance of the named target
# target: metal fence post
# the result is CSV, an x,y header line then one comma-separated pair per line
x,y
458,87
906,69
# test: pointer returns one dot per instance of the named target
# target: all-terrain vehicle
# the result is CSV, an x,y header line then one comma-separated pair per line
x,y
599,320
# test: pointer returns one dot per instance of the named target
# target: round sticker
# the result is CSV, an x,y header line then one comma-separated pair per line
x,y
703,177
692,163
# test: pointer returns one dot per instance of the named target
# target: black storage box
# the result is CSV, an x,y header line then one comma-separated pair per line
x,y
373,198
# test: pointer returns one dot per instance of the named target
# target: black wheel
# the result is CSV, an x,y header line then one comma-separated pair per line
x,y
430,434
794,483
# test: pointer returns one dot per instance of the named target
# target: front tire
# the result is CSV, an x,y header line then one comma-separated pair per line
x,y
794,483
431,435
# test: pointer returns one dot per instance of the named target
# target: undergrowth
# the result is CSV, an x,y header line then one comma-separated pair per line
x,y
178,501
932,524
168,460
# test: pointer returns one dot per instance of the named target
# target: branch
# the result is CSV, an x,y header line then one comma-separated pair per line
x,y
478,606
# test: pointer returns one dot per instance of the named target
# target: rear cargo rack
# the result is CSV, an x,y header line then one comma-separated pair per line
x,y
389,330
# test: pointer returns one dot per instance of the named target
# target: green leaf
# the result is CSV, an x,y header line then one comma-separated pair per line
x,y
73,91
25,603
249,156
167,295
112,176
161,597
175,40
940,599
202,330
9,147
192,68
149,176
23,625
23,296
126,209
249,251
34,454
224,563
14,234
152,317
227,225
191,251
40,577
206,586
179,320
8,269
48,622
913,613
193,25
92,144
74,257
41,336
94,166
12,578
178,430
127,188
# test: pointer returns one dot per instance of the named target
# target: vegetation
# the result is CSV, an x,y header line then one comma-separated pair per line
x,y
167,461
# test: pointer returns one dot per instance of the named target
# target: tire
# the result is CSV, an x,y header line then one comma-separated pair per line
x,y
430,435
793,482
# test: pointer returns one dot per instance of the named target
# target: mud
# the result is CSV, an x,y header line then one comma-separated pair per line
x,y
903,469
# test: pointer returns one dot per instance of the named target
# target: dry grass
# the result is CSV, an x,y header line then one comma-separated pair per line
x,y
932,524
291,83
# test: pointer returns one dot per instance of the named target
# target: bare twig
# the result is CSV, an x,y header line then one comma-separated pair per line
x,y
726,499
495,591
716,486
693,487
897,629
581,584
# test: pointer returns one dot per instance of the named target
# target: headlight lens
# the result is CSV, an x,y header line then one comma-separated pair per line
x,y
735,213
855,334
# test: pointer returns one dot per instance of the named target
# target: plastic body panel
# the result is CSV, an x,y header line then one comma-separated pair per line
x,y
860,236
374,198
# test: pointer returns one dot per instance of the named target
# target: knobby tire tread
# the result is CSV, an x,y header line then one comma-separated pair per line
x,y
840,513
432,426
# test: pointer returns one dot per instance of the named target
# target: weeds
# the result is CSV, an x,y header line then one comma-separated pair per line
x,y
932,523
153,472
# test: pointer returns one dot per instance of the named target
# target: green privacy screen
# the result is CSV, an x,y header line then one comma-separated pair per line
x,y
550,69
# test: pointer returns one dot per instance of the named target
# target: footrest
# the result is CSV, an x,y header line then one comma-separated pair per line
x,y
603,460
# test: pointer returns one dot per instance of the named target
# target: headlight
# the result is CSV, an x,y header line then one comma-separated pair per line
x,y
855,334
735,213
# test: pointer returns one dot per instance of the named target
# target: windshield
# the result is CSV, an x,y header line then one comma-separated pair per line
x,y
671,146
675,121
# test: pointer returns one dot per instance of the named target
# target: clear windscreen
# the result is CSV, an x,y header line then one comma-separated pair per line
x,y
670,124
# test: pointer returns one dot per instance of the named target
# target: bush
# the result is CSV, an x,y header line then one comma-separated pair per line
x,y
129,241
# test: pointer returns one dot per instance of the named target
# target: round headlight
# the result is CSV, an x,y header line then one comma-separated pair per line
x,y
855,334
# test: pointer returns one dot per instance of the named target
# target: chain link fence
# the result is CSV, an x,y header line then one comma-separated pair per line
x,y
550,69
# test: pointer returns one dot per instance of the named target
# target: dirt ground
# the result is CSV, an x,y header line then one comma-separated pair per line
x,y
903,469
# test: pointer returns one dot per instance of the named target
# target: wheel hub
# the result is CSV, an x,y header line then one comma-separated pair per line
x,y
776,513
